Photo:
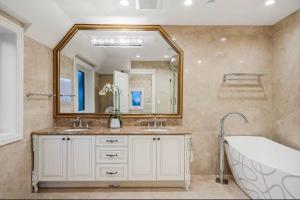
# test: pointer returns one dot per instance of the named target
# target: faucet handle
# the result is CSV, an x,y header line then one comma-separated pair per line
x,y
74,124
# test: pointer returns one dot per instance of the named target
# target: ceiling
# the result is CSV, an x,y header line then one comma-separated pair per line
x,y
106,60
48,20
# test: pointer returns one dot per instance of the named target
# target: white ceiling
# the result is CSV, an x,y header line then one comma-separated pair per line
x,y
106,60
49,20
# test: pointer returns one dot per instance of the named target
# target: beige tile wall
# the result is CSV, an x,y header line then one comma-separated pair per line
x,y
286,81
206,59
15,158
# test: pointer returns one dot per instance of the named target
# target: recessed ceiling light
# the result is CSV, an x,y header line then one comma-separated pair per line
x,y
211,1
137,56
188,2
199,62
269,2
124,2
223,39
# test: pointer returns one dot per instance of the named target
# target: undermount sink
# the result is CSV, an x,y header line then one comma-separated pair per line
x,y
156,129
75,129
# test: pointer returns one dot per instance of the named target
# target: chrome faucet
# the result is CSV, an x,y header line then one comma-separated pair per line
x,y
155,121
221,179
78,122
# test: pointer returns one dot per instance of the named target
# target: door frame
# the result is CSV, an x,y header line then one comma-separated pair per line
x,y
151,72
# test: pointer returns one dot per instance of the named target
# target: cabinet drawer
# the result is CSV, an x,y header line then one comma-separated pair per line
x,y
111,172
111,154
112,141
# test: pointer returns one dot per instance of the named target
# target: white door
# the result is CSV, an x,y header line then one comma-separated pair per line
x,y
142,158
170,157
81,158
121,80
52,158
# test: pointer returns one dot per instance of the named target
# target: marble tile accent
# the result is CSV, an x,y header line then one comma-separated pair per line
x,y
286,81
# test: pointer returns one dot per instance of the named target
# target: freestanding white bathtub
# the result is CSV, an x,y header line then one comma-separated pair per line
x,y
264,169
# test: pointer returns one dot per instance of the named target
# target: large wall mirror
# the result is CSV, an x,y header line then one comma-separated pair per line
x,y
141,61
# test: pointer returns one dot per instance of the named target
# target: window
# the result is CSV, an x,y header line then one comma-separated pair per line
x,y
137,99
11,81
66,90
81,90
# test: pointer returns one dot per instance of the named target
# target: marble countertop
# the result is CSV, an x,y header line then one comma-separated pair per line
x,y
129,130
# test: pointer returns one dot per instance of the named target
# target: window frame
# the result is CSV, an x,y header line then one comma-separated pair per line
x,y
6,138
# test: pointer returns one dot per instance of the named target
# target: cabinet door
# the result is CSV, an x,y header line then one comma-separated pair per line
x,y
170,158
142,158
81,158
52,158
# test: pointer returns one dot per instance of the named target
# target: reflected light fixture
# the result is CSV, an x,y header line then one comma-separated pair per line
x,y
117,42
188,2
124,2
269,2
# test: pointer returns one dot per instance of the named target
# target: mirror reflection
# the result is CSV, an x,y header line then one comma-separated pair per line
x,y
141,65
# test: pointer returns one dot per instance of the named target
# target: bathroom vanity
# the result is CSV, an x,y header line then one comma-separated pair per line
x,y
127,157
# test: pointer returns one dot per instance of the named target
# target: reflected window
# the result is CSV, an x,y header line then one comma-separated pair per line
x,y
136,99
65,90
81,90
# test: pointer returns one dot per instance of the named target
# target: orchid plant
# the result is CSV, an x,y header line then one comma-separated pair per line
x,y
108,87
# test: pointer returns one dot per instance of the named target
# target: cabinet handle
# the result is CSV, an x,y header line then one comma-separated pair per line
x,y
112,155
112,141
68,138
158,138
154,139
63,138
112,173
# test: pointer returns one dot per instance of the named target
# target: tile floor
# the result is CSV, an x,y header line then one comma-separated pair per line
x,y
202,187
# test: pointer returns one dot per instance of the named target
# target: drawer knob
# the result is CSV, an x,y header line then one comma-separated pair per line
x,y
112,173
112,141
112,155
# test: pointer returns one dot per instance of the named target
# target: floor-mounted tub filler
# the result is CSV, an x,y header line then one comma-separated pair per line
x,y
263,168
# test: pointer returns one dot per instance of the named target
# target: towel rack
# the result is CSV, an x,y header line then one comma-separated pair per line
x,y
67,95
29,94
242,77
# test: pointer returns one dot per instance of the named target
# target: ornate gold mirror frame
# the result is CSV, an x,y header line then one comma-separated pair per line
x,y
69,36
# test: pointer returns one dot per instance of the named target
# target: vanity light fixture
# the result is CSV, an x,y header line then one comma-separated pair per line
x,y
124,2
117,42
188,2
269,2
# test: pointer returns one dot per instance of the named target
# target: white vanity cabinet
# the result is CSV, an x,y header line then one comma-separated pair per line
x,y
52,158
156,158
170,158
63,158
142,158
111,160
81,158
